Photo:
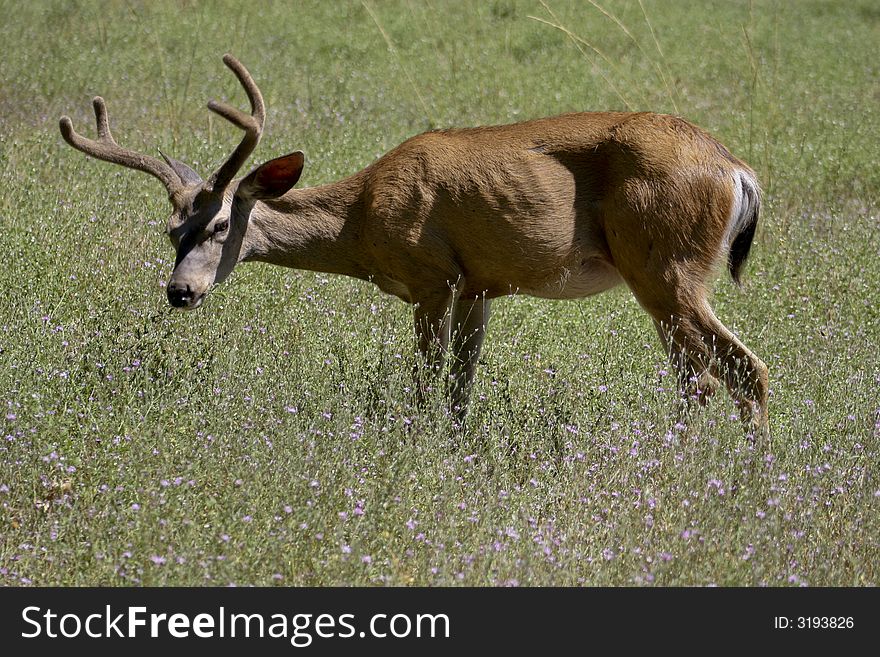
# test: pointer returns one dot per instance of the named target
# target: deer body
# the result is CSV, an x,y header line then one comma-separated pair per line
x,y
561,208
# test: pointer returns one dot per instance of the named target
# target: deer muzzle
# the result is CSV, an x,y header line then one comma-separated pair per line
x,y
182,296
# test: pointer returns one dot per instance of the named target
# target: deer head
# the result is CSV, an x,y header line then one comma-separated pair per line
x,y
209,219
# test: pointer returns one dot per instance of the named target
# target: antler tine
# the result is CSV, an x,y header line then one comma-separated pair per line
x,y
252,123
105,148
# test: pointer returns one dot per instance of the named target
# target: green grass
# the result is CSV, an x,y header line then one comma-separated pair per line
x,y
265,438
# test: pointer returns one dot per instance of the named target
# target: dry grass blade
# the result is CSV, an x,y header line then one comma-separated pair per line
x,y
579,42
396,54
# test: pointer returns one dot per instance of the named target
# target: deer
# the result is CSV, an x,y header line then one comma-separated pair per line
x,y
558,208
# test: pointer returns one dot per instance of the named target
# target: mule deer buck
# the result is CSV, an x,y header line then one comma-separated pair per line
x,y
560,208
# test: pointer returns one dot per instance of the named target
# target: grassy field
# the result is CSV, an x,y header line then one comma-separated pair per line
x,y
265,438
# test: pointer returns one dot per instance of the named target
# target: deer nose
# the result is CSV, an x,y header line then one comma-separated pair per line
x,y
179,296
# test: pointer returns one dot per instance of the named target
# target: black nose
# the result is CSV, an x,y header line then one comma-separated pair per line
x,y
179,296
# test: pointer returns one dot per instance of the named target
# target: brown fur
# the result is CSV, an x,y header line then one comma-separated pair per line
x,y
560,207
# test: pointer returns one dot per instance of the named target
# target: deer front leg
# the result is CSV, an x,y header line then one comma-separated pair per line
x,y
432,316
469,320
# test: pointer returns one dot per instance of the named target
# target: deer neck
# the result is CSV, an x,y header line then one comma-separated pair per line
x,y
315,228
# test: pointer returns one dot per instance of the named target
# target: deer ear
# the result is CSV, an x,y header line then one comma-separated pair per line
x,y
273,178
187,175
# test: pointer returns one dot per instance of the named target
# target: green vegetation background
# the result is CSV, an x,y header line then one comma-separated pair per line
x,y
265,438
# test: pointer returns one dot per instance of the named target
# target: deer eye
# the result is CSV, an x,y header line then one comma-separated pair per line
x,y
221,226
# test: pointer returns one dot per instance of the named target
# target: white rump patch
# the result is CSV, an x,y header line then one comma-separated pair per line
x,y
746,197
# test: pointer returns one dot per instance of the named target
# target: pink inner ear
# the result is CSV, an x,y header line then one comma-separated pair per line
x,y
279,175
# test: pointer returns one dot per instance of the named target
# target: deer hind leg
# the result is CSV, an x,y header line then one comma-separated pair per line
x,y
675,296
695,383
711,350
731,361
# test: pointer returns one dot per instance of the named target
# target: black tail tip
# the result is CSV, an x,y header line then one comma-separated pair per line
x,y
739,251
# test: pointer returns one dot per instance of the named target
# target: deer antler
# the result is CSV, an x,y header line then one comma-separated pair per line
x,y
252,124
105,148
